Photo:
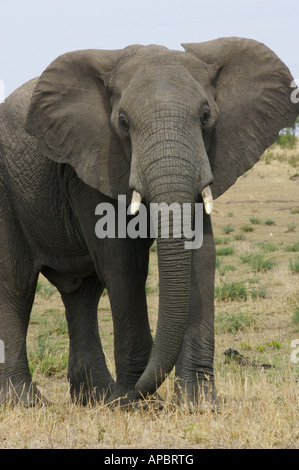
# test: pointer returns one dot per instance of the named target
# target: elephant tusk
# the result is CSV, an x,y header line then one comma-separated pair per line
x,y
135,203
207,199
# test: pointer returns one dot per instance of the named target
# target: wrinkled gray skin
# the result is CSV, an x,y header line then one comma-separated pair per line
x,y
98,124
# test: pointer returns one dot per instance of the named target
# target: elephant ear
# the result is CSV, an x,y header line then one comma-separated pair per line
x,y
69,115
253,93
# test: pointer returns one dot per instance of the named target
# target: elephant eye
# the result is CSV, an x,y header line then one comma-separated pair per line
x,y
123,123
204,117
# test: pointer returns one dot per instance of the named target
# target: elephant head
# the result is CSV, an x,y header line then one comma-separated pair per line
x,y
166,125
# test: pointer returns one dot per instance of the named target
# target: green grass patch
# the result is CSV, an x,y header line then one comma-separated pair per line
x,y
239,237
269,222
227,228
291,227
294,266
247,228
222,240
295,317
226,322
231,291
224,268
225,251
151,289
258,292
266,247
255,220
258,262
292,247
45,289
49,352
294,161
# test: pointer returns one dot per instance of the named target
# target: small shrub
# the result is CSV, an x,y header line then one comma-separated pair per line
x,y
247,228
259,292
224,268
274,344
266,246
227,228
269,222
231,291
292,247
226,322
295,211
291,227
268,156
225,251
239,237
258,262
294,266
255,220
286,139
294,177
294,161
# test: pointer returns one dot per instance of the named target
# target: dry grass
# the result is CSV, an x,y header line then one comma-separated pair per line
x,y
259,406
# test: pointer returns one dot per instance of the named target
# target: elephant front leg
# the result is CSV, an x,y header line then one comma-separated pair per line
x,y
16,299
88,374
125,278
194,368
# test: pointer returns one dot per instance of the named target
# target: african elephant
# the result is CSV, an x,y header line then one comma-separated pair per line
x,y
168,126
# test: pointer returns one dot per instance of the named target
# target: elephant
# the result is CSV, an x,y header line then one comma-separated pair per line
x,y
155,125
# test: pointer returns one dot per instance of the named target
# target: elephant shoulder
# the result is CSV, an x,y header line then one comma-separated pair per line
x,y
14,109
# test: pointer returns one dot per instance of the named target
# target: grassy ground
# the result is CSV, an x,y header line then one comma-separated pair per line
x,y
256,226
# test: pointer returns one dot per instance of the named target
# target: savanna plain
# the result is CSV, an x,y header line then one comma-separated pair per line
x,y
256,228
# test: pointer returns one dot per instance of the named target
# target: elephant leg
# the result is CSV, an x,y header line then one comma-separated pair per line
x,y
126,278
88,374
17,290
194,368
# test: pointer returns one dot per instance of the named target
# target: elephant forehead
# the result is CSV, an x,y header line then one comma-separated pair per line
x,y
153,56
157,66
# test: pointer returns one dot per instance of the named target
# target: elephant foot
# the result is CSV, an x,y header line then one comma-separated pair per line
x,y
129,402
24,393
84,395
197,398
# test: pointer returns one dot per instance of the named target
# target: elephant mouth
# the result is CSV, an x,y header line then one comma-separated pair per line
x,y
207,198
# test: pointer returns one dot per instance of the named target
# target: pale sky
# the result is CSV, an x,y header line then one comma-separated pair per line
x,y
35,32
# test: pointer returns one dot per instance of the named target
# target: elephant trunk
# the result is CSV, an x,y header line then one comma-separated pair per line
x,y
174,286
174,262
